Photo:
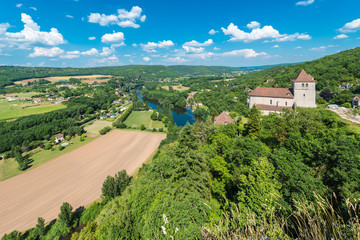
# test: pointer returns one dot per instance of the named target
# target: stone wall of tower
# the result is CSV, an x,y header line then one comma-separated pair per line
x,y
304,94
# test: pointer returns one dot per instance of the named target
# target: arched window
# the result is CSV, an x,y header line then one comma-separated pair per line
x,y
270,101
303,85
285,103
307,85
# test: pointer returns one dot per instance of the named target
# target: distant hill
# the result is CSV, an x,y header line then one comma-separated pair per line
x,y
9,74
264,67
203,70
329,71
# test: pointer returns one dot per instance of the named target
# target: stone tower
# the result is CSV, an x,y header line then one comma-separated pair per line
x,y
303,87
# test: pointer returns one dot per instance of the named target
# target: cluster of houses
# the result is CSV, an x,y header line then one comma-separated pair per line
x,y
36,100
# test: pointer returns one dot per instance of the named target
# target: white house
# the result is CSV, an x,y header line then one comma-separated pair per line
x,y
301,94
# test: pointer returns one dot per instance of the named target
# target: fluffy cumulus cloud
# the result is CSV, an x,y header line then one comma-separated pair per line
x,y
151,46
341,36
194,43
247,53
146,59
31,34
193,49
212,32
116,37
123,18
257,33
90,52
71,55
253,25
106,51
352,26
46,52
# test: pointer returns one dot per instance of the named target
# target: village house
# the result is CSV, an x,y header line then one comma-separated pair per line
x,y
11,98
355,101
39,100
301,94
59,137
223,119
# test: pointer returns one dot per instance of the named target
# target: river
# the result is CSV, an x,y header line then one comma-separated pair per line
x,y
181,116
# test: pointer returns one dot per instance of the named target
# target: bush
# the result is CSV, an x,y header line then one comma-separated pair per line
x,y
347,105
122,125
105,130
47,146
60,147
154,129
142,127
161,130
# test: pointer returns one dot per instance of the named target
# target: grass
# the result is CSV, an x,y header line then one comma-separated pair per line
x,y
21,95
96,126
16,109
149,160
8,167
138,118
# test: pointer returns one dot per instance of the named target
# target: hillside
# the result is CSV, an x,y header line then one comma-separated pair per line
x,y
9,74
329,71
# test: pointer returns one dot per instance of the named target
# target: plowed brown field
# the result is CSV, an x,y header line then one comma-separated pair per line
x,y
75,177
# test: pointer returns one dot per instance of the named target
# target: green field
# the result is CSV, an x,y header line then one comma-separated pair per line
x,y
16,109
137,118
22,95
96,126
8,167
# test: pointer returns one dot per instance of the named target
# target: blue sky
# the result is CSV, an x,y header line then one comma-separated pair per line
x,y
86,33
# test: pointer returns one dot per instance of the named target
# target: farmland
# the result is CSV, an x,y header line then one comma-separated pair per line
x,y
138,118
75,177
16,109
94,127
85,79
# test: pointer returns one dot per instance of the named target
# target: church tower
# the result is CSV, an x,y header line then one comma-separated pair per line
x,y
304,90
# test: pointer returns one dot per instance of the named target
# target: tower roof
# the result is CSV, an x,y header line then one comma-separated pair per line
x,y
304,77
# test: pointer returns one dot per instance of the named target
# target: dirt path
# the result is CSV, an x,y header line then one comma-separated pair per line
x,y
75,177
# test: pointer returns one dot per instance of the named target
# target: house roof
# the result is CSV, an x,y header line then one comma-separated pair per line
x,y
59,135
304,77
223,118
272,107
272,92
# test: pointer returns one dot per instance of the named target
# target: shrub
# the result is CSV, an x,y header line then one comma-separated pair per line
x,y
142,127
105,130
161,130
347,105
47,146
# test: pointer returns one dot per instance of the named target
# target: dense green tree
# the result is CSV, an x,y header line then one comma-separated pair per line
x,y
254,125
114,186
66,216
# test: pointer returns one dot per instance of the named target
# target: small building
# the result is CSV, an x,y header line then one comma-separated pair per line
x,y
248,89
39,100
59,137
269,80
356,101
11,98
223,119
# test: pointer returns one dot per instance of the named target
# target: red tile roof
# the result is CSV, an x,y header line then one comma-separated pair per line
x,y
223,119
272,107
272,92
304,77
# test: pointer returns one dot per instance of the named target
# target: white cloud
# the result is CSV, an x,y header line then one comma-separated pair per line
x,y
267,32
151,46
31,34
33,8
216,48
298,47
112,60
19,5
305,3
41,64
90,52
194,43
116,37
123,18
322,48
212,32
177,60
352,26
134,45
71,55
92,38
247,53
341,36
146,59
253,25
106,51
193,49
46,52
69,16
276,46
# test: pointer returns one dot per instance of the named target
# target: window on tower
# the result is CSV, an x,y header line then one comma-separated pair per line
x,y
307,85
303,85
270,101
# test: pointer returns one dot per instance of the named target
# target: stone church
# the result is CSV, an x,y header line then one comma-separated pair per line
x,y
301,94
